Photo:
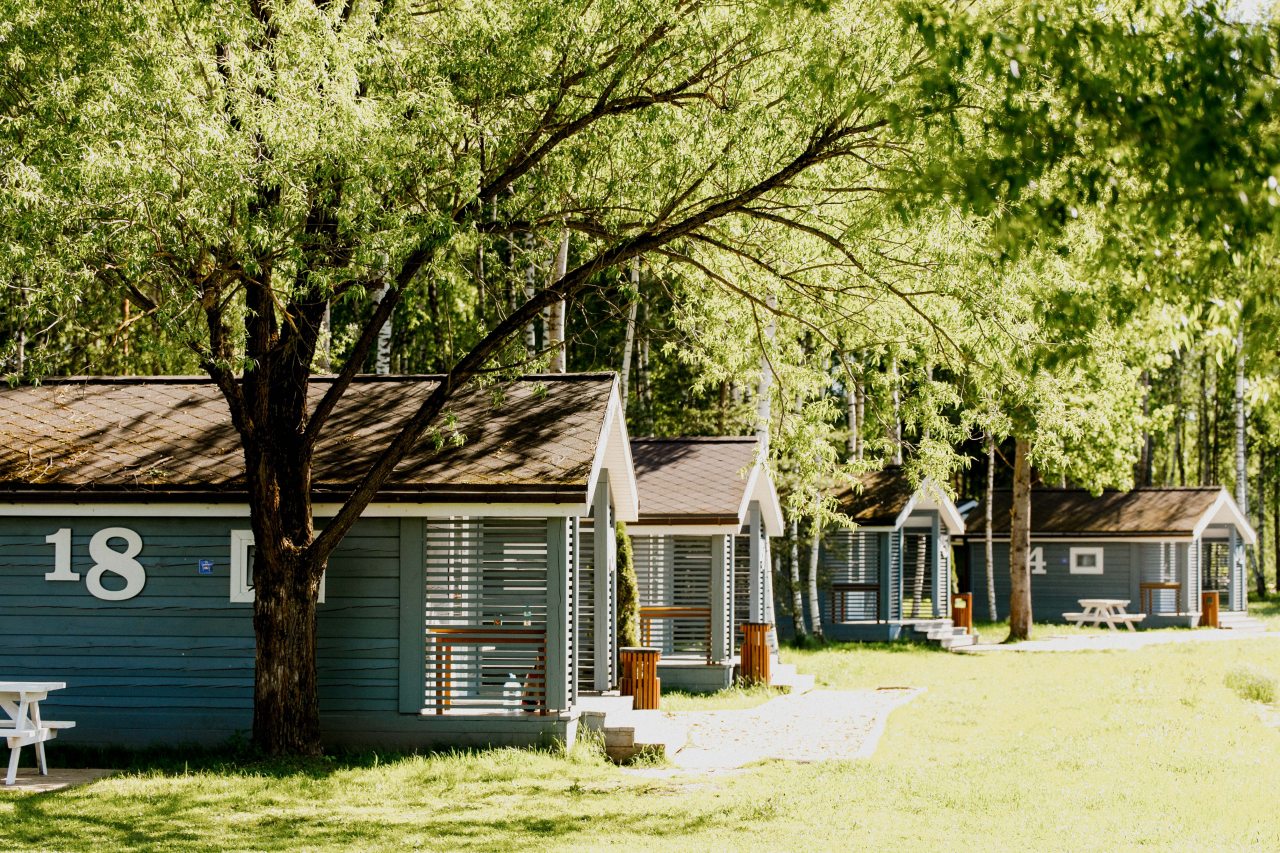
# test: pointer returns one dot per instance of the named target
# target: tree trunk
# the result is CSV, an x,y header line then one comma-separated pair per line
x,y
1260,552
987,538
286,713
557,330
815,604
1143,474
629,342
1202,423
895,428
530,287
797,592
1241,460
764,395
1020,545
382,362
1180,424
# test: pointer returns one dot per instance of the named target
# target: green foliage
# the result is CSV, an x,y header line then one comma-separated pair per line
x,y
628,592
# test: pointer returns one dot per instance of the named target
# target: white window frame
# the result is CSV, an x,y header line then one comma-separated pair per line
x,y
241,592
1095,569
1036,561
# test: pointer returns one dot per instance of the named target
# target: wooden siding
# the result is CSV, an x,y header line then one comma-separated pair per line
x,y
1057,591
175,663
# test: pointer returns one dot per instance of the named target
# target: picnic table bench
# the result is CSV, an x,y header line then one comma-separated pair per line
x,y
24,726
1109,610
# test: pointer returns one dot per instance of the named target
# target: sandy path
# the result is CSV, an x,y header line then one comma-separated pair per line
x,y
822,725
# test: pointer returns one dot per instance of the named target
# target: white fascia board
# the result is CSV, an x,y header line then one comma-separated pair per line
x,y
683,529
931,496
1226,511
613,453
760,488
234,510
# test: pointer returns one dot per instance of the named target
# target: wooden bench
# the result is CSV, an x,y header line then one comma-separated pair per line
x,y
24,726
1099,610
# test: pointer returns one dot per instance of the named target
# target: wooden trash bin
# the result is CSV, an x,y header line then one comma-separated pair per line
x,y
640,677
962,611
1209,610
754,668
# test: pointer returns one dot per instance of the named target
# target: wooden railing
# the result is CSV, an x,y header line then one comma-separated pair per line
x,y
840,593
523,651
649,614
1146,595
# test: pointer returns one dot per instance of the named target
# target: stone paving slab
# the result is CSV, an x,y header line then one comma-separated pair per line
x,y
31,782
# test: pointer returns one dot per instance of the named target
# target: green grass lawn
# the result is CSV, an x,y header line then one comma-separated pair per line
x,y
1079,751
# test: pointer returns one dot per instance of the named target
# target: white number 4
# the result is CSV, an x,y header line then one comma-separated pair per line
x,y
1037,562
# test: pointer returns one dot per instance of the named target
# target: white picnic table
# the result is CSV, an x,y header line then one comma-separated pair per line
x,y
1109,610
24,726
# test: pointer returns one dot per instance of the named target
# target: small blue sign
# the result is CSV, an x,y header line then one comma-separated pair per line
x,y
206,567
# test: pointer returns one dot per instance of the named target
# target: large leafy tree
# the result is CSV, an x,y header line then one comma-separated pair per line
x,y
239,172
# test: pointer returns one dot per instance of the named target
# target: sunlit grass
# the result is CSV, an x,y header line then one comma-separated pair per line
x,y
1078,751
737,697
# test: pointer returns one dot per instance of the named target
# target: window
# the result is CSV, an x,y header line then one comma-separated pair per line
x,y
1086,561
242,568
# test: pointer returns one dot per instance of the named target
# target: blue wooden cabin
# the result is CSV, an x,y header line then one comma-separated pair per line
x,y
707,509
472,604
1159,548
893,568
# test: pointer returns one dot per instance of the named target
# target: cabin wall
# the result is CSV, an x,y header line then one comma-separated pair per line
x,y
1057,591
174,664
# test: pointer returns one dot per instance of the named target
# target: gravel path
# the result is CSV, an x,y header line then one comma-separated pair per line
x,y
822,725
1118,640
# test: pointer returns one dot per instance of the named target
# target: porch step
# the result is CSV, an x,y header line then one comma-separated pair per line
x,y
634,734
784,677
629,733
942,632
1237,620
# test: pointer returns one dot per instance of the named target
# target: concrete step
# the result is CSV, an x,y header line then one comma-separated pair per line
x,y
958,641
784,677
594,710
642,733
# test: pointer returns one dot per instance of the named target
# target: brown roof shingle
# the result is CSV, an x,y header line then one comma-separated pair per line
x,y
121,436
692,480
1141,512
880,500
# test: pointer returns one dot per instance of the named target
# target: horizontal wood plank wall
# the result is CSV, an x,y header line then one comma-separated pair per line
x,y
1057,591
175,663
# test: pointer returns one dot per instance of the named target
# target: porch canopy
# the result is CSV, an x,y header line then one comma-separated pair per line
x,y
707,508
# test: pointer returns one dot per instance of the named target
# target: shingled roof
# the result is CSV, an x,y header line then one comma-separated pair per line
x,y
537,439
1153,512
702,481
886,497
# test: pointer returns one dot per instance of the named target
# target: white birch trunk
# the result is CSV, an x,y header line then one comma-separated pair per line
x,y
815,605
797,592
764,391
382,362
987,537
530,288
895,429
630,340
557,330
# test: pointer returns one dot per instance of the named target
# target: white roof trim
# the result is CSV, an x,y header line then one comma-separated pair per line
x,y
931,496
1226,511
613,453
683,529
760,488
